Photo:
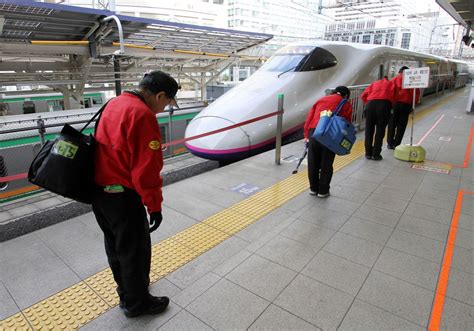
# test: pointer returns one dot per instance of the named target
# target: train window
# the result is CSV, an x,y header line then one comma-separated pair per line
x,y
318,59
97,100
286,58
29,107
163,131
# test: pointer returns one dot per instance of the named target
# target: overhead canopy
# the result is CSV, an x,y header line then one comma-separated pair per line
x,y
461,10
58,44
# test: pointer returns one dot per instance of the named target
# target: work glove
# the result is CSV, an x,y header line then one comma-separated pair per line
x,y
155,220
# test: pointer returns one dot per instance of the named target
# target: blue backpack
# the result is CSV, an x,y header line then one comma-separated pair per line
x,y
334,131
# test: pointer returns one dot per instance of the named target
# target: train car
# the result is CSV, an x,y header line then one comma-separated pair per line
x,y
20,140
302,72
48,102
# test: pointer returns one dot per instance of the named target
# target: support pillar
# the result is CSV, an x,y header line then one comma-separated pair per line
x,y
67,100
118,86
203,86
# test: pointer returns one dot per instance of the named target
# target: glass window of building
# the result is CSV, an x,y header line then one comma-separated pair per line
x,y
405,41
366,39
378,39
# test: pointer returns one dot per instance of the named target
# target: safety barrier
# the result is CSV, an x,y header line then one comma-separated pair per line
x,y
358,119
28,126
41,129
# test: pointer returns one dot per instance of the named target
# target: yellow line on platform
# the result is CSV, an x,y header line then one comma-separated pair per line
x,y
88,299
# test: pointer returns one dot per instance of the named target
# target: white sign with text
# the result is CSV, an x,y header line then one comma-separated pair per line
x,y
416,77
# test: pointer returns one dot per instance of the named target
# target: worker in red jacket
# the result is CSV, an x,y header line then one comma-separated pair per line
x,y
403,106
128,161
320,158
378,98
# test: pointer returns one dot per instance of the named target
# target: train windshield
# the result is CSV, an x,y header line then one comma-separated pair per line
x,y
301,58
287,58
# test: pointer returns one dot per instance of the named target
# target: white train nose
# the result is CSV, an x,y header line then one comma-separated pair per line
x,y
229,144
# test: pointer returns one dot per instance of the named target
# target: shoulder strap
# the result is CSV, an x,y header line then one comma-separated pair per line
x,y
99,112
339,106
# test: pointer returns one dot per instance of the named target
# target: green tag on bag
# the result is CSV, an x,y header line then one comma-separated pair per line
x,y
114,189
65,149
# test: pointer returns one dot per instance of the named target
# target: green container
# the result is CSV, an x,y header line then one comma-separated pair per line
x,y
410,153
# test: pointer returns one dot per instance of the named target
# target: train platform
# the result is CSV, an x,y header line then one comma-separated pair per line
x,y
34,212
246,247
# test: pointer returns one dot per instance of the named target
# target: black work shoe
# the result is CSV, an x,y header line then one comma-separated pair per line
x,y
154,306
390,147
368,157
377,157
121,304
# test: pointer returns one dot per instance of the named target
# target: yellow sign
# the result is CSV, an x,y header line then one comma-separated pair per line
x,y
154,145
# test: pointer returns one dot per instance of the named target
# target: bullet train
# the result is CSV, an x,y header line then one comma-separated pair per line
x,y
302,72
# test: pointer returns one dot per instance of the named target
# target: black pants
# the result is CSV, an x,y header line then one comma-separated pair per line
x,y
122,218
377,117
398,123
320,161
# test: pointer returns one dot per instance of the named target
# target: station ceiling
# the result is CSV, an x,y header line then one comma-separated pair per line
x,y
461,10
60,45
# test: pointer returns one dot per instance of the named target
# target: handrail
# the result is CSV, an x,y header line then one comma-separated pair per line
x,y
119,25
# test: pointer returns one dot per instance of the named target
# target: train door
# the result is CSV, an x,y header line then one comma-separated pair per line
x,y
29,107
4,109
55,105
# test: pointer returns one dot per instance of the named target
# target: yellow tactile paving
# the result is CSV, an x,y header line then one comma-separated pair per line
x,y
81,303
200,237
15,322
66,310
167,256
252,207
229,222
104,285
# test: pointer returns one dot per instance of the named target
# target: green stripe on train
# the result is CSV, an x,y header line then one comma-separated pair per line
x,y
51,97
36,139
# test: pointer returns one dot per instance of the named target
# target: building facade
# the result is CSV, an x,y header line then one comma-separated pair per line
x,y
398,23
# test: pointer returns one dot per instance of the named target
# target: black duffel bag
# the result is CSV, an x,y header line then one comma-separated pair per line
x,y
65,165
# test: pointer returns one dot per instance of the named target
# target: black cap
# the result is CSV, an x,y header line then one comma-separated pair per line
x,y
158,81
403,68
343,91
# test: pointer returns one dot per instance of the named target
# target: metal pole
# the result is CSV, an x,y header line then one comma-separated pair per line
x,y
120,30
118,87
170,126
412,117
279,129
41,129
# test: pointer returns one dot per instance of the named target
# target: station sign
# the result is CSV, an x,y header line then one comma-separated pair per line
x,y
416,77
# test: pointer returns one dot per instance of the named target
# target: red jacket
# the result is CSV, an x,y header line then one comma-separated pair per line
x,y
383,89
128,149
328,102
404,95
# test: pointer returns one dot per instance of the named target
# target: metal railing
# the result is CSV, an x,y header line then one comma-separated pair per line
x,y
5,179
358,116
